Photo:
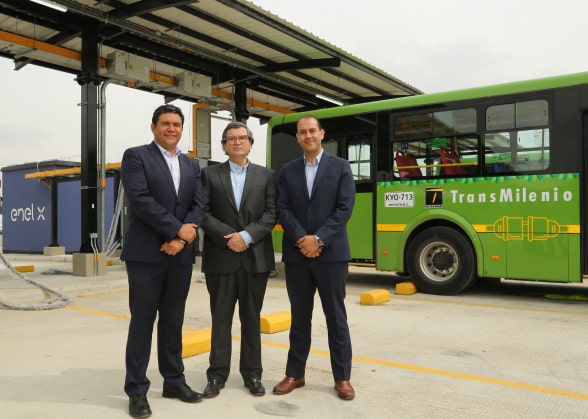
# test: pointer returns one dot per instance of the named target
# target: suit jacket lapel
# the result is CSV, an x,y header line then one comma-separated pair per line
x,y
249,179
225,178
322,167
163,166
184,168
301,173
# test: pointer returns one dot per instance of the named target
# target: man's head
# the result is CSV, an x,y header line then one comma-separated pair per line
x,y
310,134
166,109
167,125
237,140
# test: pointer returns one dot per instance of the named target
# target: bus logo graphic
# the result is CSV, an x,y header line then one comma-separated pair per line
x,y
530,228
434,197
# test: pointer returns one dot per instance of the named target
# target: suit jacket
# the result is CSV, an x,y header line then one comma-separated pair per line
x,y
256,215
156,211
324,214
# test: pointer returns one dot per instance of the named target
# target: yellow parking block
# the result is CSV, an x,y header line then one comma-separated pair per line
x,y
374,297
275,322
195,343
406,288
25,268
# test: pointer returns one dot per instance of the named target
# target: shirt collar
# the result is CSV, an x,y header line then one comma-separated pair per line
x,y
317,159
165,152
236,168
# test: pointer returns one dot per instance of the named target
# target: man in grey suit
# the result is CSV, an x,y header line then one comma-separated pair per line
x,y
164,192
316,194
238,255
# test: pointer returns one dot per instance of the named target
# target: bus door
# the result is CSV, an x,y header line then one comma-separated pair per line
x,y
361,225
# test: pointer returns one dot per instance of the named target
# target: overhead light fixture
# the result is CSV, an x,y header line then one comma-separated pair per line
x,y
329,99
51,4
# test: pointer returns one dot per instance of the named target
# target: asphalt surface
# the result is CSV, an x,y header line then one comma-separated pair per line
x,y
501,350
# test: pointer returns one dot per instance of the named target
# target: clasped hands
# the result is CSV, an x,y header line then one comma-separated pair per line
x,y
309,247
236,243
187,233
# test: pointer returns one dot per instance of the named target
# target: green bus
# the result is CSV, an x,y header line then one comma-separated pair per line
x,y
486,182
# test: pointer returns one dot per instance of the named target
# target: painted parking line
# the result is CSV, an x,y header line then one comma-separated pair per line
x,y
409,367
499,306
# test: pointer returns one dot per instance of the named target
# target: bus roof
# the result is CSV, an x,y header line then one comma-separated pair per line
x,y
441,97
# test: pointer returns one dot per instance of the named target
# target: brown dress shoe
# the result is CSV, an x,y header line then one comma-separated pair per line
x,y
288,384
344,390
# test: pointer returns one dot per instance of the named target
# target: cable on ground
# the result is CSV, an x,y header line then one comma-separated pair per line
x,y
59,301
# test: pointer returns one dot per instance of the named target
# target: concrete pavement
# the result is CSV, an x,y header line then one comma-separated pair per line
x,y
499,351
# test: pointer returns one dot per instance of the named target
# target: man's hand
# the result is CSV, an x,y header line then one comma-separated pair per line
x,y
236,243
188,232
309,247
172,247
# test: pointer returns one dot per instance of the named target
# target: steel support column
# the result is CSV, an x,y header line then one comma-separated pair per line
x,y
54,209
89,80
240,98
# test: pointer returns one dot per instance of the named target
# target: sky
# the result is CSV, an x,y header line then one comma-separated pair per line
x,y
432,45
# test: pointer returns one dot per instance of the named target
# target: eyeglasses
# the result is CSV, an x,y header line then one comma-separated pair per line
x,y
241,138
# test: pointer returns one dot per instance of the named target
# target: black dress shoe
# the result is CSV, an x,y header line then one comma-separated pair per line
x,y
139,406
213,388
182,392
255,387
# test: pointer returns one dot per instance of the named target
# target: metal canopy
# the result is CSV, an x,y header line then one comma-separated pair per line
x,y
239,46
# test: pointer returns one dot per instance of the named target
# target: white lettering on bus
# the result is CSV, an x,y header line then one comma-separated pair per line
x,y
510,195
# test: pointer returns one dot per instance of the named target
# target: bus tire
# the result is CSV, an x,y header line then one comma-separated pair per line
x,y
441,260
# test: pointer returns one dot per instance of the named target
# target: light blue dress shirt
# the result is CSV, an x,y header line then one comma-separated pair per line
x,y
310,171
238,176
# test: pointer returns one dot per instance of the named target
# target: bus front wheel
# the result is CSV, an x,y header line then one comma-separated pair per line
x,y
441,260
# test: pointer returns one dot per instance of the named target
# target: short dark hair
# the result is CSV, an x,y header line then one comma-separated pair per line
x,y
310,117
166,109
233,125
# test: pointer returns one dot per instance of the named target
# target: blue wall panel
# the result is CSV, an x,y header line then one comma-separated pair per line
x,y
26,214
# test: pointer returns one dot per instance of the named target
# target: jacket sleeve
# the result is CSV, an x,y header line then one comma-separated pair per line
x,y
196,213
214,228
139,186
261,226
344,202
289,192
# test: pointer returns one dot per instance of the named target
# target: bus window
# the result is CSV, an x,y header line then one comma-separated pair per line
x,y
517,151
442,144
521,141
427,125
331,146
358,154
532,113
434,157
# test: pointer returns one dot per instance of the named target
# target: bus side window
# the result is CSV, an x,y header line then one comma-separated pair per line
x,y
406,164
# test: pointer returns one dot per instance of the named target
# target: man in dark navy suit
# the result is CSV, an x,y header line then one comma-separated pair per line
x,y
316,194
166,203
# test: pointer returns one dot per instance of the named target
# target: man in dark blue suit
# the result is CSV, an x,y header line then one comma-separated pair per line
x,y
316,194
166,203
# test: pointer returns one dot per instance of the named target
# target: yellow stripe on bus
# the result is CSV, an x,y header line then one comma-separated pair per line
x,y
390,227
478,228
563,228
